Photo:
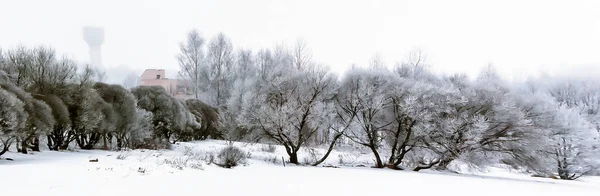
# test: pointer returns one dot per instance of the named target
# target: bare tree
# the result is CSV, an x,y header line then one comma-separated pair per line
x,y
414,65
417,58
264,63
192,61
377,62
19,62
245,65
302,54
39,71
220,60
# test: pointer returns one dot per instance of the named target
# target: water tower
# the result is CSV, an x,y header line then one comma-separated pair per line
x,y
94,36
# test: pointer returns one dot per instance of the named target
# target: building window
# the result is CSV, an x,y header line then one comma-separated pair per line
x,y
157,76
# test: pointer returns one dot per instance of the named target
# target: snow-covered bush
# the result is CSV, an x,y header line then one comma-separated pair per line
x,y
182,162
230,157
122,156
189,159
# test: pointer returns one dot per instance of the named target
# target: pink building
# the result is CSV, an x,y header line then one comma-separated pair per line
x,y
157,77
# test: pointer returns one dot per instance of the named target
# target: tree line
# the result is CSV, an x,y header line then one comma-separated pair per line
x,y
407,116
42,95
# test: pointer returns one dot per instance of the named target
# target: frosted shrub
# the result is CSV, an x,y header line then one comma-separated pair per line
x,y
121,156
190,159
230,157
182,162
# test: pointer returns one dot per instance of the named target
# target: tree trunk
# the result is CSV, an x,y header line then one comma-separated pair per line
x,y
80,142
105,142
335,138
36,144
86,143
24,146
110,141
51,144
392,158
57,140
400,158
378,162
119,143
292,152
294,158
563,171
17,145
4,148
563,174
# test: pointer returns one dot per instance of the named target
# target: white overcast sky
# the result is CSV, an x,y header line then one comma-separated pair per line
x,y
520,38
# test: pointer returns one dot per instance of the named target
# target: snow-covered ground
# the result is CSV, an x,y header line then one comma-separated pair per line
x,y
183,171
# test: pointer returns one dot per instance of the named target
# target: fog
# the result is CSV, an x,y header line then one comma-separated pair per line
x,y
521,38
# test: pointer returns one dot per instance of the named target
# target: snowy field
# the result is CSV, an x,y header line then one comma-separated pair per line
x,y
183,171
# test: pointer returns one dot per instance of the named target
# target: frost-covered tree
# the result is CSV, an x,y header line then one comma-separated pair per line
x,y
264,63
88,113
192,62
562,107
582,95
61,134
190,129
271,68
17,64
39,70
572,145
244,76
377,61
478,124
13,119
123,105
168,114
207,116
91,116
301,55
291,108
414,66
245,67
413,105
43,124
142,133
39,121
219,70
3,62
365,92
